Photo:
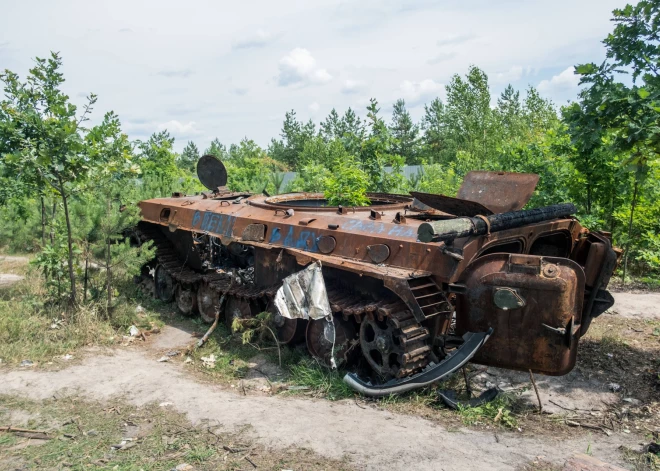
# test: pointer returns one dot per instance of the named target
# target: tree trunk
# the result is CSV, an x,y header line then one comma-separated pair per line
x,y
69,236
108,269
52,224
43,222
108,277
612,213
630,226
86,274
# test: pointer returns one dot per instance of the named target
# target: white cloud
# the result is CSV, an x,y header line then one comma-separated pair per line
x,y
442,57
225,70
352,86
260,38
514,74
566,80
180,129
299,67
455,39
171,73
314,107
416,93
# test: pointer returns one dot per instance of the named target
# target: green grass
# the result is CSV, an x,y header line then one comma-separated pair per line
x,y
641,461
84,431
498,411
321,381
33,328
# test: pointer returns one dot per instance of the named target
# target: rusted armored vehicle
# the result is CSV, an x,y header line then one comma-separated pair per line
x,y
401,292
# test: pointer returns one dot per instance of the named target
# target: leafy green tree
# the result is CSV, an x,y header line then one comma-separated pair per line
x,y
347,185
189,157
376,154
294,135
510,114
472,127
434,137
405,134
250,169
46,136
216,148
352,131
158,162
112,212
311,178
347,129
330,128
629,113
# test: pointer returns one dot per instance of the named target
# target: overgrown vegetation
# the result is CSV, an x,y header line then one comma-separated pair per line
x,y
65,185
39,331
119,436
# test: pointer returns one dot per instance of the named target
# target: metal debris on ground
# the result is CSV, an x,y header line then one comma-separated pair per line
x,y
124,445
27,363
448,396
26,433
209,361
57,323
614,387
134,331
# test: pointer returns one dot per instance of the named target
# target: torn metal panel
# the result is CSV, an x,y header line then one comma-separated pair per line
x,y
454,206
499,191
303,295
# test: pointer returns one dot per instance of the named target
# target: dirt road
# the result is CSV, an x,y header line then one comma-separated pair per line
x,y
372,438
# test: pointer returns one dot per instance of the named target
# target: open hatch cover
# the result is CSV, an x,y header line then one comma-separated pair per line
x,y
485,193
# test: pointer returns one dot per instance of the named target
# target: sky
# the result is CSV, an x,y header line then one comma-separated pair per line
x,y
229,70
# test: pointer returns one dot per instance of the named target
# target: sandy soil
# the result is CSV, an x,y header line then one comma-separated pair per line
x,y
14,258
644,306
372,438
580,390
7,279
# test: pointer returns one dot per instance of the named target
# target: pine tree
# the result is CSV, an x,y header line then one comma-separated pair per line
x,y
189,157
405,134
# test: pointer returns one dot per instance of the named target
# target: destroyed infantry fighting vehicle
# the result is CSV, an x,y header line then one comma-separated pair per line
x,y
400,293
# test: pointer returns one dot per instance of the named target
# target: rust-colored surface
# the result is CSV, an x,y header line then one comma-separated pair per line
x,y
499,191
541,332
531,284
454,206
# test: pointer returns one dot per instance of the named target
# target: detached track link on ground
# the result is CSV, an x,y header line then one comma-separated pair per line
x,y
412,335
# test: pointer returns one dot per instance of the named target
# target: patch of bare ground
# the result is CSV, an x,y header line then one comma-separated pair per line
x,y
12,269
241,390
333,430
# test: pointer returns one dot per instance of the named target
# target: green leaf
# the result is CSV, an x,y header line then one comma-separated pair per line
x,y
585,69
643,93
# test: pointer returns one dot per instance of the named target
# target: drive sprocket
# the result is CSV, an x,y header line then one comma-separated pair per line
x,y
394,346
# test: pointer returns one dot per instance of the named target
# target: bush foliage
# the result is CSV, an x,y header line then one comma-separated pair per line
x,y
68,192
